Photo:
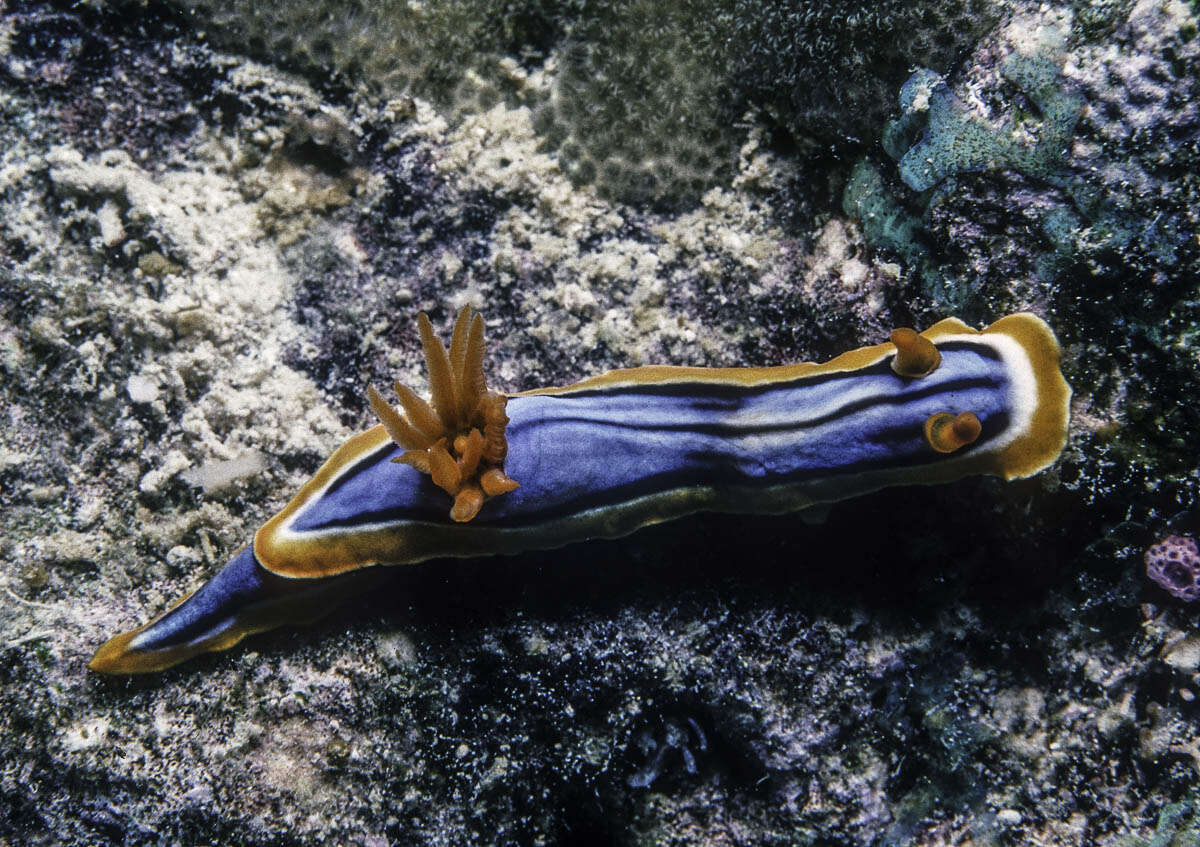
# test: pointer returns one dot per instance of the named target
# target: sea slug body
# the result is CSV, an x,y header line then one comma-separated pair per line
x,y
479,473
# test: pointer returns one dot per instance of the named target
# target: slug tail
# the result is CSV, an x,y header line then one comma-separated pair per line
x,y
242,599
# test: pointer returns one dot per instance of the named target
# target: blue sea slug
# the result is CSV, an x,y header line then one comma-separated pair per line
x,y
478,472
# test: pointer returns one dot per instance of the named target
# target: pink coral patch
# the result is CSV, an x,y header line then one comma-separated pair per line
x,y
1174,563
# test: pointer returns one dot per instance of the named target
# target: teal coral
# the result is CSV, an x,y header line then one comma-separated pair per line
x,y
892,226
956,141
885,222
1080,210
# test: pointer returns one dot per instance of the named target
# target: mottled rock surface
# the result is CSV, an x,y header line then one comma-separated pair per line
x,y
204,259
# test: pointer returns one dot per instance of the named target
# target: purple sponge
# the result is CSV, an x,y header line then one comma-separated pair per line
x,y
1174,563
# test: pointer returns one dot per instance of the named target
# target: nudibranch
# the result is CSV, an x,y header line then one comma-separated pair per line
x,y
478,472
